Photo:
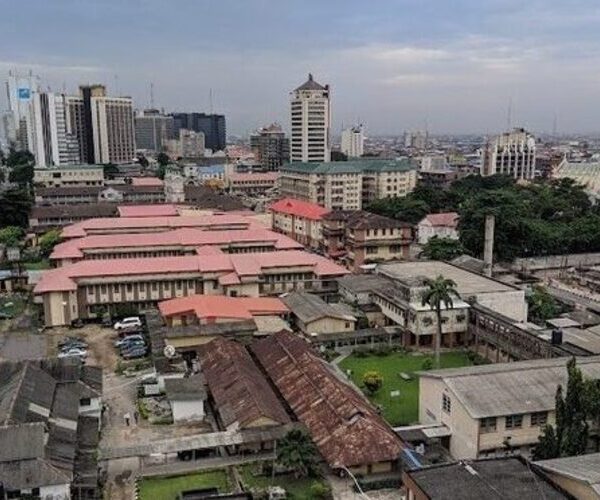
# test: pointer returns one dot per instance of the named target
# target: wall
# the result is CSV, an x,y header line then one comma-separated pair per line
x,y
187,411
511,304
55,492
327,325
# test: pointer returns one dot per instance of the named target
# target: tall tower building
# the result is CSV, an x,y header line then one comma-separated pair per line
x,y
103,125
353,142
152,129
311,120
271,147
511,153
19,90
212,126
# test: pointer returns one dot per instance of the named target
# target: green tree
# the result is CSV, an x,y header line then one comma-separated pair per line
x,y
163,159
19,158
408,209
542,306
48,241
296,451
10,236
338,156
160,172
143,161
440,291
21,175
15,205
442,248
373,381
547,445
320,490
110,170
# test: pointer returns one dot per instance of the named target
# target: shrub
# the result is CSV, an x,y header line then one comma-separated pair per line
x,y
383,350
320,490
372,380
427,364
361,353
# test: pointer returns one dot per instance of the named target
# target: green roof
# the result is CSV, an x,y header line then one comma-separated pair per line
x,y
82,166
351,167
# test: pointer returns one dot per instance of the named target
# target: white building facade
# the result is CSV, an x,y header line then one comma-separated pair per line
x,y
353,141
512,153
311,120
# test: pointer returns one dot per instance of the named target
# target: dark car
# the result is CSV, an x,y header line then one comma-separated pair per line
x,y
138,352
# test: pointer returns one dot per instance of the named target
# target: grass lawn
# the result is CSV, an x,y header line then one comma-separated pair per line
x,y
297,489
38,265
13,305
404,409
167,488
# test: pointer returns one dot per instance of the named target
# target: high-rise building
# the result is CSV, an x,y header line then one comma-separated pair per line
x,y
51,140
416,139
19,89
212,126
103,125
152,128
511,153
189,146
311,119
353,142
271,147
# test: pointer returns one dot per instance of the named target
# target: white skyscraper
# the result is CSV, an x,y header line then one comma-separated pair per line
x,y
311,119
353,141
19,90
511,153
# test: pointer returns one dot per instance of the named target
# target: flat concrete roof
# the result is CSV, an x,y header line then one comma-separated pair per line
x,y
467,283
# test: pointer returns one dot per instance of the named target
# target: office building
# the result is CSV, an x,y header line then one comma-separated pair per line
x,y
271,147
416,139
511,153
353,142
347,185
103,125
189,145
491,408
17,120
51,140
311,121
69,175
212,126
152,129
252,184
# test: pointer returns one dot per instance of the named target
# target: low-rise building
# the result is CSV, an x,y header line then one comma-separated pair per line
x,y
444,225
251,184
490,409
69,175
186,396
43,218
347,185
579,476
183,241
118,193
347,431
91,287
312,315
478,479
163,210
359,238
299,220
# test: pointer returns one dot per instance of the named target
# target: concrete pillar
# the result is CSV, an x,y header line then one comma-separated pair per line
x,y
488,245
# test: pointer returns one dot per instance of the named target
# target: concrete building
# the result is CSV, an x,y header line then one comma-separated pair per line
x,y
17,120
118,193
190,145
511,153
312,315
212,126
69,176
300,220
353,142
360,238
347,185
152,129
86,288
252,184
187,397
444,225
579,476
491,407
42,218
416,139
311,122
271,147
103,125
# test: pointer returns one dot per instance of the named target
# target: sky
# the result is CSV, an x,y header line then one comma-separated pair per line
x,y
452,66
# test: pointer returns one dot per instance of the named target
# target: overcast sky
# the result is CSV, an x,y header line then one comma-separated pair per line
x,y
392,64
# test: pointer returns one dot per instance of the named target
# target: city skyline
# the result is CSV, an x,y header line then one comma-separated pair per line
x,y
425,63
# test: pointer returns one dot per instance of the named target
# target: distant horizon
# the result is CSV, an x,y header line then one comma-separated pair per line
x,y
451,68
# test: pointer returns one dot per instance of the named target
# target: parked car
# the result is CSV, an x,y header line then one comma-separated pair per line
x,y
69,342
128,339
73,353
131,322
132,347
138,352
73,345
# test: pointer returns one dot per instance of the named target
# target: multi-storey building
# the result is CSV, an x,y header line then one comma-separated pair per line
x,y
251,184
492,410
511,153
17,120
444,225
119,193
271,147
89,287
353,142
359,238
189,145
299,220
311,120
103,125
152,129
212,126
347,185
69,175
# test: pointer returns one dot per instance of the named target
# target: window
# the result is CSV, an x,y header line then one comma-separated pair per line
x,y
129,287
371,250
514,422
85,402
539,418
446,403
487,425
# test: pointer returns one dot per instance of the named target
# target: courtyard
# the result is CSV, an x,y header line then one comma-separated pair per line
x,y
168,488
398,397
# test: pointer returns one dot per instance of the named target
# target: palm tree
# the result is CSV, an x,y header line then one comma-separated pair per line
x,y
439,291
296,451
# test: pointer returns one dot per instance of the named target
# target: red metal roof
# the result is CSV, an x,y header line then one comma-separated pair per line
x,y
446,219
147,211
299,208
214,306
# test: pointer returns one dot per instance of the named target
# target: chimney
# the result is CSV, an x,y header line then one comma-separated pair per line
x,y
488,245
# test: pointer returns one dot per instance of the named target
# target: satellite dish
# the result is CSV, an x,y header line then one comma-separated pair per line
x,y
169,351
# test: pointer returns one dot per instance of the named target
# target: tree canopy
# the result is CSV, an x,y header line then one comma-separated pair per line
x,y
442,248
15,205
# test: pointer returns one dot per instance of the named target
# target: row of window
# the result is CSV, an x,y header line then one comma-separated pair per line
x,y
537,419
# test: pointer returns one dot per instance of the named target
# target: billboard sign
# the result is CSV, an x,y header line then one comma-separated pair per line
x,y
24,93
